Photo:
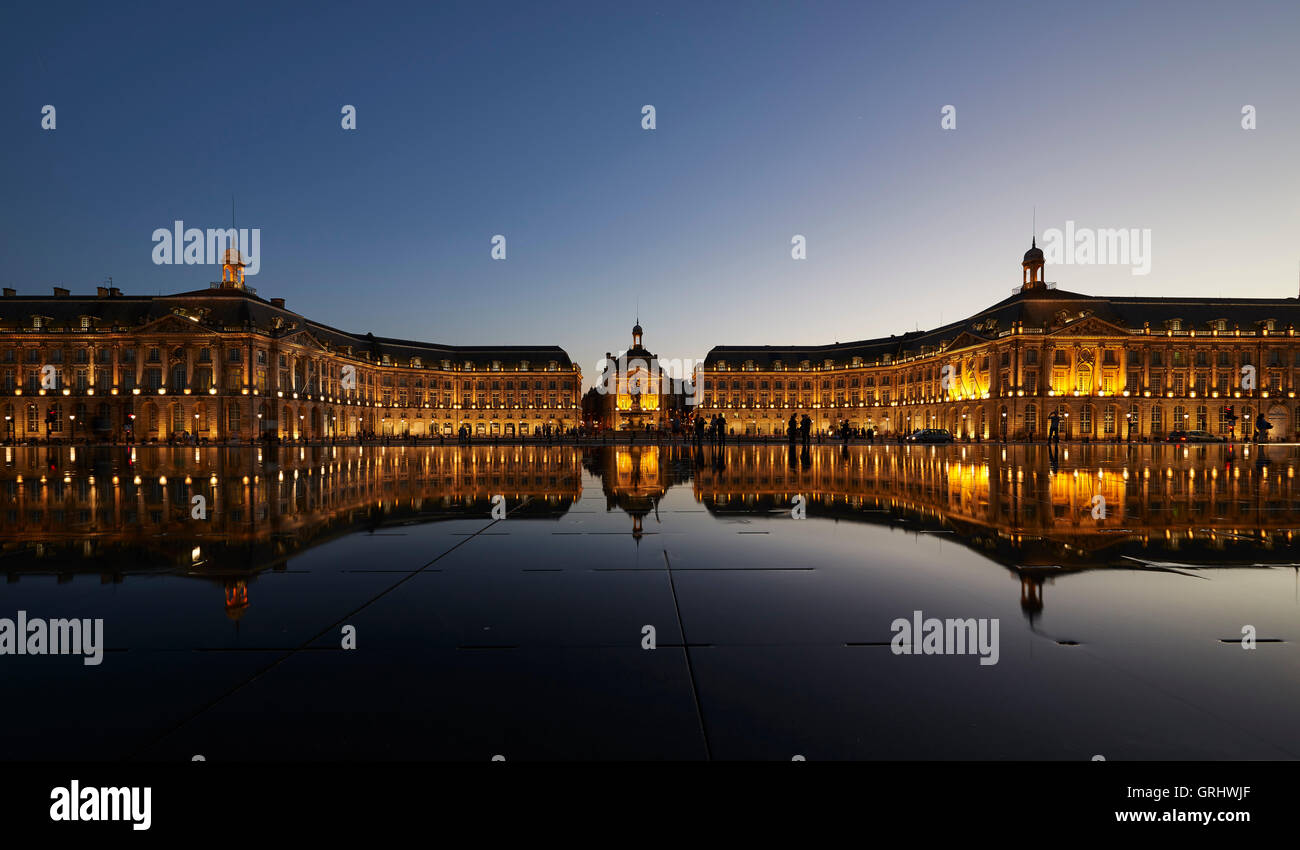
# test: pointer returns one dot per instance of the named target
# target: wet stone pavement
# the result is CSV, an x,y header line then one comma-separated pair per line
x,y
525,635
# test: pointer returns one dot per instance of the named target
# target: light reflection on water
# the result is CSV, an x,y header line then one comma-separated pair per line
x,y
1119,635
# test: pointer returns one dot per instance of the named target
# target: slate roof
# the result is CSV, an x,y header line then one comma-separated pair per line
x,y
1039,311
233,309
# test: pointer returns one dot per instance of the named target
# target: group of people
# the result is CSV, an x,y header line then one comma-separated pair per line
x,y
716,429
799,429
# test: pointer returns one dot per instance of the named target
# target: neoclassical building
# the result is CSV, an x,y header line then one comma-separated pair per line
x,y
224,363
1112,368
632,392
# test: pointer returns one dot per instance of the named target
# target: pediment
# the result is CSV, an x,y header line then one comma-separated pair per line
x,y
306,339
965,339
1090,326
173,324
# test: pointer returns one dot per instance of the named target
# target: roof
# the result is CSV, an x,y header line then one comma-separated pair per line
x,y
1038,311
229,309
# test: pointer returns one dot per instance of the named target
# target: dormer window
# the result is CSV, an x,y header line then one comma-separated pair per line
x,y
1175,324
38,321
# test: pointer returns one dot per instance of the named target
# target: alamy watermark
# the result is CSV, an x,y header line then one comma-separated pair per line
x,y
1086,246
952,636
192,246
639,376
36,636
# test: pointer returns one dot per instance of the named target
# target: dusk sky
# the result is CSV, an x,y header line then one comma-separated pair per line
x,y
524,119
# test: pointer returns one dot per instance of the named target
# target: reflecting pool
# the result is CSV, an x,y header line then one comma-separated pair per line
x,y
653,602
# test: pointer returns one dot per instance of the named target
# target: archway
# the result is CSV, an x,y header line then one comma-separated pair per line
x,y
1280,418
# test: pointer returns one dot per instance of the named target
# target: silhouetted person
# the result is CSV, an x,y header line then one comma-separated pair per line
x,y
722,430
805,430
1054,427
792,428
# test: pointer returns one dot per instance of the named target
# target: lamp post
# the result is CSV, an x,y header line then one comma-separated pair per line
x,y
9,429
72,427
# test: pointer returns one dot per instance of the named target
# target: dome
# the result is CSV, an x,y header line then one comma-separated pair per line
x,y
636,330
1034,254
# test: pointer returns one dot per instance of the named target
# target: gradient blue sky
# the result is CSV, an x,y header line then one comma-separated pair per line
x,y
773,119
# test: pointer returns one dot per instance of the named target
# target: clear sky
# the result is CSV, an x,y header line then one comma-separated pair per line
x,y
773,119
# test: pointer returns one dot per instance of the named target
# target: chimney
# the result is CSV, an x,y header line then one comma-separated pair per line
x,y
101,291
277,302
10,292
60,292
114,292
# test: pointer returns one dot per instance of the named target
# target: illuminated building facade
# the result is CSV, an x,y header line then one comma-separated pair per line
x,y
1111,368
224,364
634,391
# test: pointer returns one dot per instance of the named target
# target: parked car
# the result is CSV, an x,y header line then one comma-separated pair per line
x,y
930,435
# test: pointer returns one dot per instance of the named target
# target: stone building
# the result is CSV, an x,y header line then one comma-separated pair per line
x,y
1111,368
226,364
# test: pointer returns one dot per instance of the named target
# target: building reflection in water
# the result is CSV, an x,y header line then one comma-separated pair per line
x,y
225,515
1034,509
120,512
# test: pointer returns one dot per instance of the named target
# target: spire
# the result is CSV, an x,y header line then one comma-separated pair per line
x,y
232,270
